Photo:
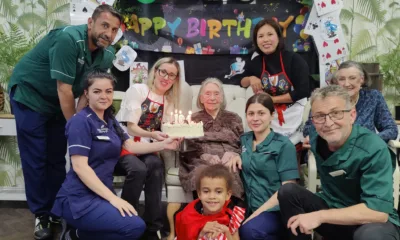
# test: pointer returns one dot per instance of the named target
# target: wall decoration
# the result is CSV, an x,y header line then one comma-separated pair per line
x,y
139,73
192,27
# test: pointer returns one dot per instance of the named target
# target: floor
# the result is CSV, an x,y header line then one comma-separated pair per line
x,y
17,222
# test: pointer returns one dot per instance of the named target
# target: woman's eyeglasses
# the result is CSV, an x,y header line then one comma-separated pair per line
x,y
163,73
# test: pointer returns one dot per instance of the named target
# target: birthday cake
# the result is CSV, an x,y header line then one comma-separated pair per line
x,y
188,130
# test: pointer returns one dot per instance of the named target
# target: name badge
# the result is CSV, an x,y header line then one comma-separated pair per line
x,y
337,173
104,138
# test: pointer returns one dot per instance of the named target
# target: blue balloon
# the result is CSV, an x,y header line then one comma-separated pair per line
x,y
297,28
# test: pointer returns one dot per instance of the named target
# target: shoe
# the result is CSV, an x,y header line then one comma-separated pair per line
x,y
55,220
42,228
67,236
64,230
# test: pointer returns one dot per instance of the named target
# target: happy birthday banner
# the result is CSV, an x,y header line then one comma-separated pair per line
x,y
192,27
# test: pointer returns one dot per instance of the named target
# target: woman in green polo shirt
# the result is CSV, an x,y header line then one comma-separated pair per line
x,y
268,161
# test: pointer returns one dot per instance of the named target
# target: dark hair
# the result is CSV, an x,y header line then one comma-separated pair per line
x,y
215,171
277,29
363,73
106,8
263,99
109,112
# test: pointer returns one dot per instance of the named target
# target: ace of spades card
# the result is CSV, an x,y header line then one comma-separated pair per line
x,y
326,6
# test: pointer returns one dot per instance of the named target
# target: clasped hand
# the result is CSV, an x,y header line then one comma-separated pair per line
x,y
213,229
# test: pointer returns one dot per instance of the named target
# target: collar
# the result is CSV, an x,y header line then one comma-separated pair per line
x,y
260,147
340,155
88,53
90,113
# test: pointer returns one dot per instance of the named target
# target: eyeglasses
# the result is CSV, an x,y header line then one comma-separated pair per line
x,y
163,73
334,116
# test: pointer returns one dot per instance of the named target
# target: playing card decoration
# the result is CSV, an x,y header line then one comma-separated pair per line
x,y
324,26
327,6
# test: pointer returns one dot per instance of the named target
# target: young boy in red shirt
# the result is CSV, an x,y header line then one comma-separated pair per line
x,y
216,215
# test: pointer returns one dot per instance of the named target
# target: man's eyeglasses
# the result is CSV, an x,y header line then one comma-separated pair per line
x,y
334,116
163,73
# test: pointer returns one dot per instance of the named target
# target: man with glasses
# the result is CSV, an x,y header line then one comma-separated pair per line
x,y
355,167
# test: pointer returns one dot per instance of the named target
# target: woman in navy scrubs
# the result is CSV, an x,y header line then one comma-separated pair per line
x,y
86,199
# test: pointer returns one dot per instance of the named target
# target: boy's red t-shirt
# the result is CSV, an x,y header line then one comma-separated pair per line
x,y
189,222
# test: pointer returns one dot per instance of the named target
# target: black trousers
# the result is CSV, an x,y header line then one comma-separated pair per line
x,y
143,171
294,200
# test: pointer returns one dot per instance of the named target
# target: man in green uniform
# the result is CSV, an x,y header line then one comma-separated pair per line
x,y
43,88
356,170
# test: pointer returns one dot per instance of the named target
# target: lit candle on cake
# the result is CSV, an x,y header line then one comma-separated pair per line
x,y
171,118
189,117
181,118
176,116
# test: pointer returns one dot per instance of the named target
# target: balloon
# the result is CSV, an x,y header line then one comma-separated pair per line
x,y
235,11
297,28
299,19
303,10
303,35
180,41
193,27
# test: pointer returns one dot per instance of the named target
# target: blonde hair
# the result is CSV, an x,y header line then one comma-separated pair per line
x,y
171,94
217,82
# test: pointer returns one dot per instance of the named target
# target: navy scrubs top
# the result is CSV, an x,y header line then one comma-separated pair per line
x,y
89,136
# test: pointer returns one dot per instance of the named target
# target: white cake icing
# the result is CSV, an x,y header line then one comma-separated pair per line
x,y
183,130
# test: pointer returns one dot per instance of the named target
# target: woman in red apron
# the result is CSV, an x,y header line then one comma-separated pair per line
x,y
142,111
282,74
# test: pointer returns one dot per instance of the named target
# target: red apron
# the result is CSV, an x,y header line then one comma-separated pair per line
x,y
288,120
276,85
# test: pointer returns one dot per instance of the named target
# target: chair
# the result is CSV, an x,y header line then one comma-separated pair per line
x,y
314,182
236,98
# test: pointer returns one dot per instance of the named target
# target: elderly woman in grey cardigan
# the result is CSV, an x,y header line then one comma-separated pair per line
x,y
220,143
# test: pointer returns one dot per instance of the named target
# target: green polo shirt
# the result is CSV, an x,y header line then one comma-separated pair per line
x,y
63,54
263,170
368,165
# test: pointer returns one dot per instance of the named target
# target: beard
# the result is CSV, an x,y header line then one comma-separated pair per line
x,y
96,40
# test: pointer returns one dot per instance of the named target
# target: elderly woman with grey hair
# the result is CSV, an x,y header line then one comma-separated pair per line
x,y
220,143
372,111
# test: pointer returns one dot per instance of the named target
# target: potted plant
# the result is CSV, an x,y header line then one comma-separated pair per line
x,y
11,50
390,68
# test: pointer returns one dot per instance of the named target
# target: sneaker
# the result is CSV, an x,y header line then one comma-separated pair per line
x,y
42,228
55,220
66,236
64,230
